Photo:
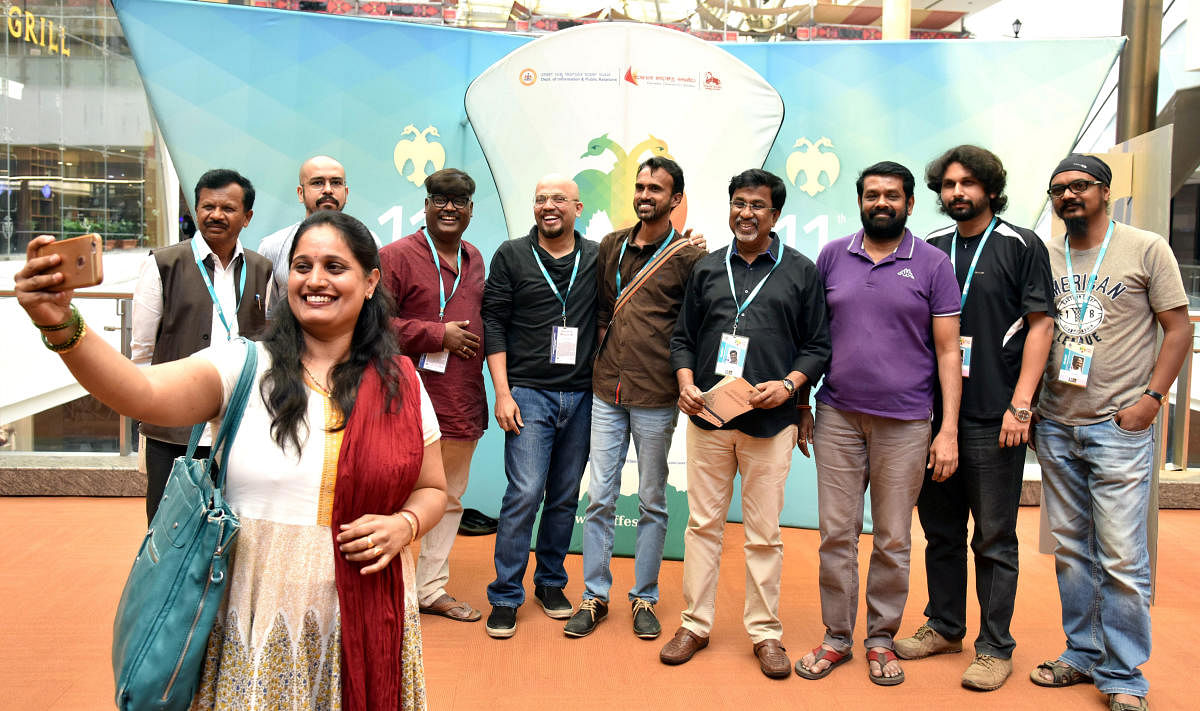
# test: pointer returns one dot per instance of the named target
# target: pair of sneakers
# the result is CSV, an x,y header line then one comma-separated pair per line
x,y
985,673
593,610
502,623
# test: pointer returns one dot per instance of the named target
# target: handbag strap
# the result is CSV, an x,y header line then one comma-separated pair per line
x,y
223,442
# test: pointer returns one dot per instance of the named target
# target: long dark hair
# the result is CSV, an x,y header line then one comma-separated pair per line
x,y
373,342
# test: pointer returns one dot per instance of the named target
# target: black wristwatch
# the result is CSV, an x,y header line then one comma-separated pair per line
x,y
1156,395
789,386
1021,413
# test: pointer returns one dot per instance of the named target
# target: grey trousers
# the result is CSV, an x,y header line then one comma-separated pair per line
x,y
852,451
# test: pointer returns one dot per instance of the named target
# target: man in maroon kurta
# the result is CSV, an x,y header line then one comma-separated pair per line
x,y
437,281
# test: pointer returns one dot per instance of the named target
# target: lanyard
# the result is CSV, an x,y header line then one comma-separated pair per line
x,y
665,243
754,293
561,299
1079,313
974,260
437,266
212,293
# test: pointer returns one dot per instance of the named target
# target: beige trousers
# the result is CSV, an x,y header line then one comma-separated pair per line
x,y
714,458
433,565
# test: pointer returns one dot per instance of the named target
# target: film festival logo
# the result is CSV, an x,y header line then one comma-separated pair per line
x,y
609,192
812,161
420,152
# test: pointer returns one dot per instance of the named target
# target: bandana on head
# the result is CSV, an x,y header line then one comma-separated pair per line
x,y
1091,165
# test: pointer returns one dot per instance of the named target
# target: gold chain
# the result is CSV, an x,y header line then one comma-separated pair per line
x,y
323,390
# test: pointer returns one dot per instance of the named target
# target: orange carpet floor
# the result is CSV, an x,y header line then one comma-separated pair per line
x,y
65,561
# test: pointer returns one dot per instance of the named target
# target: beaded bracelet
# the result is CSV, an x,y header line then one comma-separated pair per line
x,y
70,344
65,324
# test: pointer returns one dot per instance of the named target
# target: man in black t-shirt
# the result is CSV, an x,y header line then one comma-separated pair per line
x,y
1004,272
539,321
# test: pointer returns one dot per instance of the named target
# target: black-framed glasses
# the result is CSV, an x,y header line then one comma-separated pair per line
x,y
1078,187
459,201
756,207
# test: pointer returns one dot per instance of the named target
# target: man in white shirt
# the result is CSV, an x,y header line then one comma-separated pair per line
x,y
193,293
322,187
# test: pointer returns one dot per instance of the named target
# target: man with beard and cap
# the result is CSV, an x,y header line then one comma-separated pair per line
x,y
322,187
195,293
1112,285
642,271
893,320
437,280
1004,274
761,301
539,322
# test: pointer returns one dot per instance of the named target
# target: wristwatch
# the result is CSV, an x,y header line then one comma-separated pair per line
x,y
789,386
1021,413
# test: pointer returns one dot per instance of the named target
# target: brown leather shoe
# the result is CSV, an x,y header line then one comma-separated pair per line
x,y
773,659
682,647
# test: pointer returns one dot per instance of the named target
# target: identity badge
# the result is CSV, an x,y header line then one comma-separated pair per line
x,y
964,346
731,356
434,362
1076,362
563,340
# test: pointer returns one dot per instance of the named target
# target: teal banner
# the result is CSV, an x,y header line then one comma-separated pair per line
x,y
261,90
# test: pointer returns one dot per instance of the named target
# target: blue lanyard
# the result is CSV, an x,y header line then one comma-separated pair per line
x,y
621,256
212,293
733,290
1079,312
437,266
561,299
974,261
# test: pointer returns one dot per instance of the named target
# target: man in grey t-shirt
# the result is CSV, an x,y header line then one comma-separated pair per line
x,y
1112,284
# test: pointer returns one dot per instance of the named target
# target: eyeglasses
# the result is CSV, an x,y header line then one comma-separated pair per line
x,y
320,183
756,207
1077,187
459,201
559,200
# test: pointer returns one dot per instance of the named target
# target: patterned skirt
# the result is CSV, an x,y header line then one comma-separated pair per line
x,y
276,644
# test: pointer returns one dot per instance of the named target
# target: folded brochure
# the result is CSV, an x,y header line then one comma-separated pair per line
x,y
726,400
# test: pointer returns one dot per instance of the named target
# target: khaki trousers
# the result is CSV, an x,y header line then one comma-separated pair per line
x,y
853,450
433,565
714,458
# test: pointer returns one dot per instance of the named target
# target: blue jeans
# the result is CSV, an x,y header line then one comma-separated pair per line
x,y
544,465
1096,489
651,429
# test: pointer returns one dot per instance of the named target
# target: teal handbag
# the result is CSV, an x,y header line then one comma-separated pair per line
x,y
179,577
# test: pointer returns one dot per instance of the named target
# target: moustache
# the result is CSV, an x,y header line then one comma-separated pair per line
x,y
883,211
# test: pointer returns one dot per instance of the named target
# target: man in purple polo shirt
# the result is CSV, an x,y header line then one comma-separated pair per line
x,y
893,318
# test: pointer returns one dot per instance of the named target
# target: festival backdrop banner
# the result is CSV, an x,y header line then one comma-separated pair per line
x,y
261,90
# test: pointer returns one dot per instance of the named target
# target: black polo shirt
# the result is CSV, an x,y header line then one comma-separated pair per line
x,y
1012,279
786,324
519,310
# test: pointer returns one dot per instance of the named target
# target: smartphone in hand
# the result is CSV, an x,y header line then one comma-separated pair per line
x,y
82,261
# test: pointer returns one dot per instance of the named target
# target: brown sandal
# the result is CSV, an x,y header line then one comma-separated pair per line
x,y
882,658
1062,674
821,652
448,607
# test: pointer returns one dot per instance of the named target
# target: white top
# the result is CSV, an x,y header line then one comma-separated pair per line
x,y
264,481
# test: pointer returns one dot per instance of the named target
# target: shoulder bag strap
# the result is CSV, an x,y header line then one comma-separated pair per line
x,y
648,272
233,412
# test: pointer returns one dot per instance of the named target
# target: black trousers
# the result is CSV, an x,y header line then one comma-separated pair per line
x,y
987,486
160,457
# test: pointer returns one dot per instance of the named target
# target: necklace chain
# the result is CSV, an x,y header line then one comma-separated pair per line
x,y
324,391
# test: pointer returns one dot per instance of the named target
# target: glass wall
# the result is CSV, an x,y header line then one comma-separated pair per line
x,y
75,130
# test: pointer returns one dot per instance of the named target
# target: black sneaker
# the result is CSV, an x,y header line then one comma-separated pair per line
x,y
502,623
591,611
645,623
553,601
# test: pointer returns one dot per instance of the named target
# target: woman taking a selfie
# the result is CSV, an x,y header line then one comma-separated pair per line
x,y
334,472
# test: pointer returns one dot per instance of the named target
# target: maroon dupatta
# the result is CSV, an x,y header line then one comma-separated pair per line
x,y
378,465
